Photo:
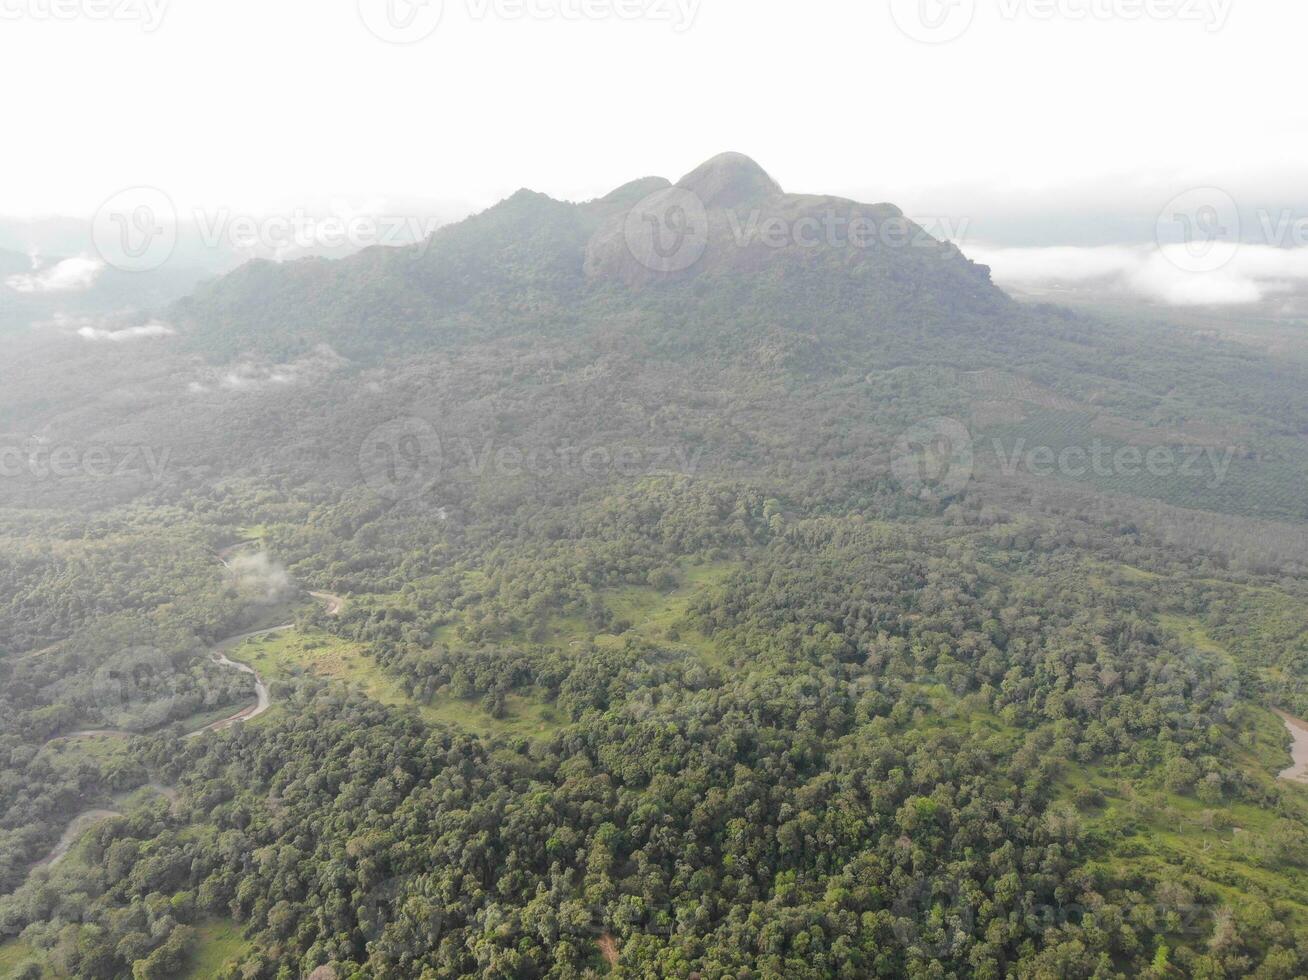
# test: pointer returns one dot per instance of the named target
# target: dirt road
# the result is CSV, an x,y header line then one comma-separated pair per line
x,y
1298,772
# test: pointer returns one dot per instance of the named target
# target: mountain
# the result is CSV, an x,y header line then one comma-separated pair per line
x,y
535,263
724,271
796,308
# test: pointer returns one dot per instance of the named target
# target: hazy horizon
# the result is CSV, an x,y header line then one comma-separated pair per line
x,y
207,104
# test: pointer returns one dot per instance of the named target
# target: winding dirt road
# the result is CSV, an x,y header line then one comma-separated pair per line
x,y
84,821
79,825
262,701
89,733
332,604
44,651
87,819
1298,771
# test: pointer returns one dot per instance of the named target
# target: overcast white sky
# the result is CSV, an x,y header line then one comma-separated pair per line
x,y
252,104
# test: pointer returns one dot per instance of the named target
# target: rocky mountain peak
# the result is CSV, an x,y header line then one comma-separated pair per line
x,y
730,180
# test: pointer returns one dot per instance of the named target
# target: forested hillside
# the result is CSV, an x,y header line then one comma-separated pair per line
x,y
624,618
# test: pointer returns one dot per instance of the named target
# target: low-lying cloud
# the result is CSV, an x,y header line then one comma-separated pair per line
x,y
260,578
118,336
68,276
1253,273
249,375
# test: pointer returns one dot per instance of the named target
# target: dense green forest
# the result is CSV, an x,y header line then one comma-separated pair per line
x,y
604,633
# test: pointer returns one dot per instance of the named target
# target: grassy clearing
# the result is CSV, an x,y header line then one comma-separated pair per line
x,y
961,715
646,612
530,715
651,614
1264,745
66,755
1225,852
1104,574
219,943
1222,852
1266,626
1191,630
14,954
144,794
292,653
658,616
203,719
642,610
